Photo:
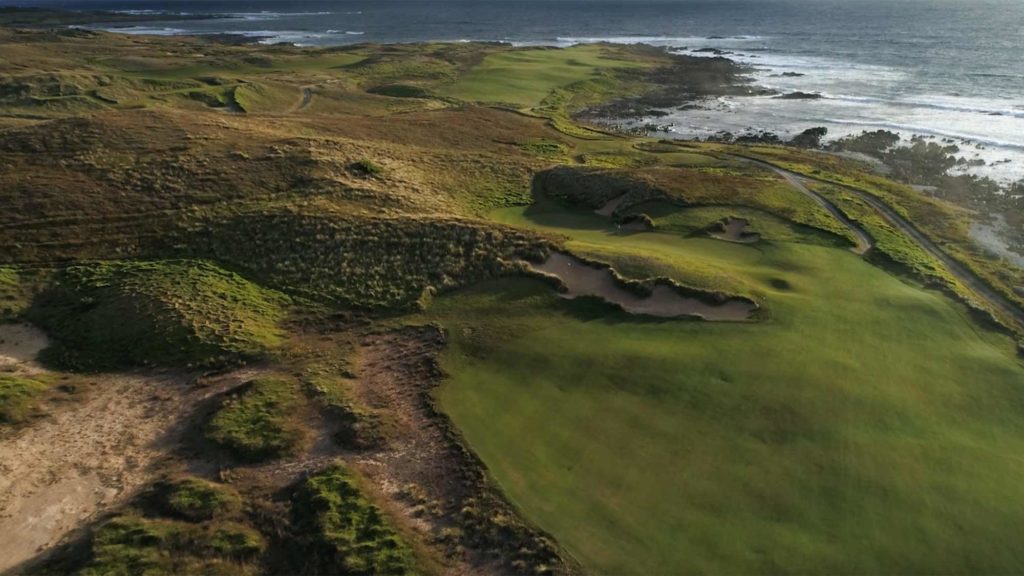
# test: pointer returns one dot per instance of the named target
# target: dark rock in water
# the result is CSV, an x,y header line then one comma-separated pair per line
x,y
800,96
791,75
656,113
759,138
714,51
810,138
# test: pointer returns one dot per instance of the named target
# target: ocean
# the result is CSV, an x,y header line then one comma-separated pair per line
x,y
945,69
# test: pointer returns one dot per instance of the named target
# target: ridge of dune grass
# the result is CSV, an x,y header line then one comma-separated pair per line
x,y
366,263
163,313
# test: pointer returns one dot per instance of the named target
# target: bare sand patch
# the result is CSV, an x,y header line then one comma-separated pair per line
x,y
20,344
583,279
611,206
735,230
60,472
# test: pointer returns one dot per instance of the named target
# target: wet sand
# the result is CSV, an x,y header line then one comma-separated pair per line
x,y
582,279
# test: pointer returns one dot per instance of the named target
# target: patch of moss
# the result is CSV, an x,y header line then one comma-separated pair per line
x,y
258,421
18,396
366,168
337,530
166,313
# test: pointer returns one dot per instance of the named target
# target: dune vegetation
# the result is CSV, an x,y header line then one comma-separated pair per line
x,y
335,251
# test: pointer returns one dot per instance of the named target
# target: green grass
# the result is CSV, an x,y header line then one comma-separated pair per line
x,y
167,313
18,398
198,500
12,293
259,422
337,530
185,525
866,427
525,78
130,544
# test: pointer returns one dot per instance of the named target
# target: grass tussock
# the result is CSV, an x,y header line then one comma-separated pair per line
x,y
259,421
18,398
337,530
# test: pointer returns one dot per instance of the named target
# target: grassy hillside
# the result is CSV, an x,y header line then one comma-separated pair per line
x,y
193,205
168,313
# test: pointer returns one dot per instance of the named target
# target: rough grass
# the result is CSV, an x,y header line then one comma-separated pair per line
x,y
13,298
367,263
259,421
198,500
18,398
130,544
181,526
338,530
168,313
807,443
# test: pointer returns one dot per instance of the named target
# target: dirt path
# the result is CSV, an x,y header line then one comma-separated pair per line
x,y
864,241
307,99
396,372
1008,309
59,472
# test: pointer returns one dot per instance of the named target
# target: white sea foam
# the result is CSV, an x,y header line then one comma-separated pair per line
x,y
267,15
143,30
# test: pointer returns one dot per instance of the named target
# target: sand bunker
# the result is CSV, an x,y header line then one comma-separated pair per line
x,y
20,344
611,206
735,230
583,279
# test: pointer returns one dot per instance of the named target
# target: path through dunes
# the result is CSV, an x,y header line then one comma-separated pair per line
x,y
59,472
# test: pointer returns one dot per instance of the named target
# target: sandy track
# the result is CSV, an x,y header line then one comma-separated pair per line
x,y
864,240
59,472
